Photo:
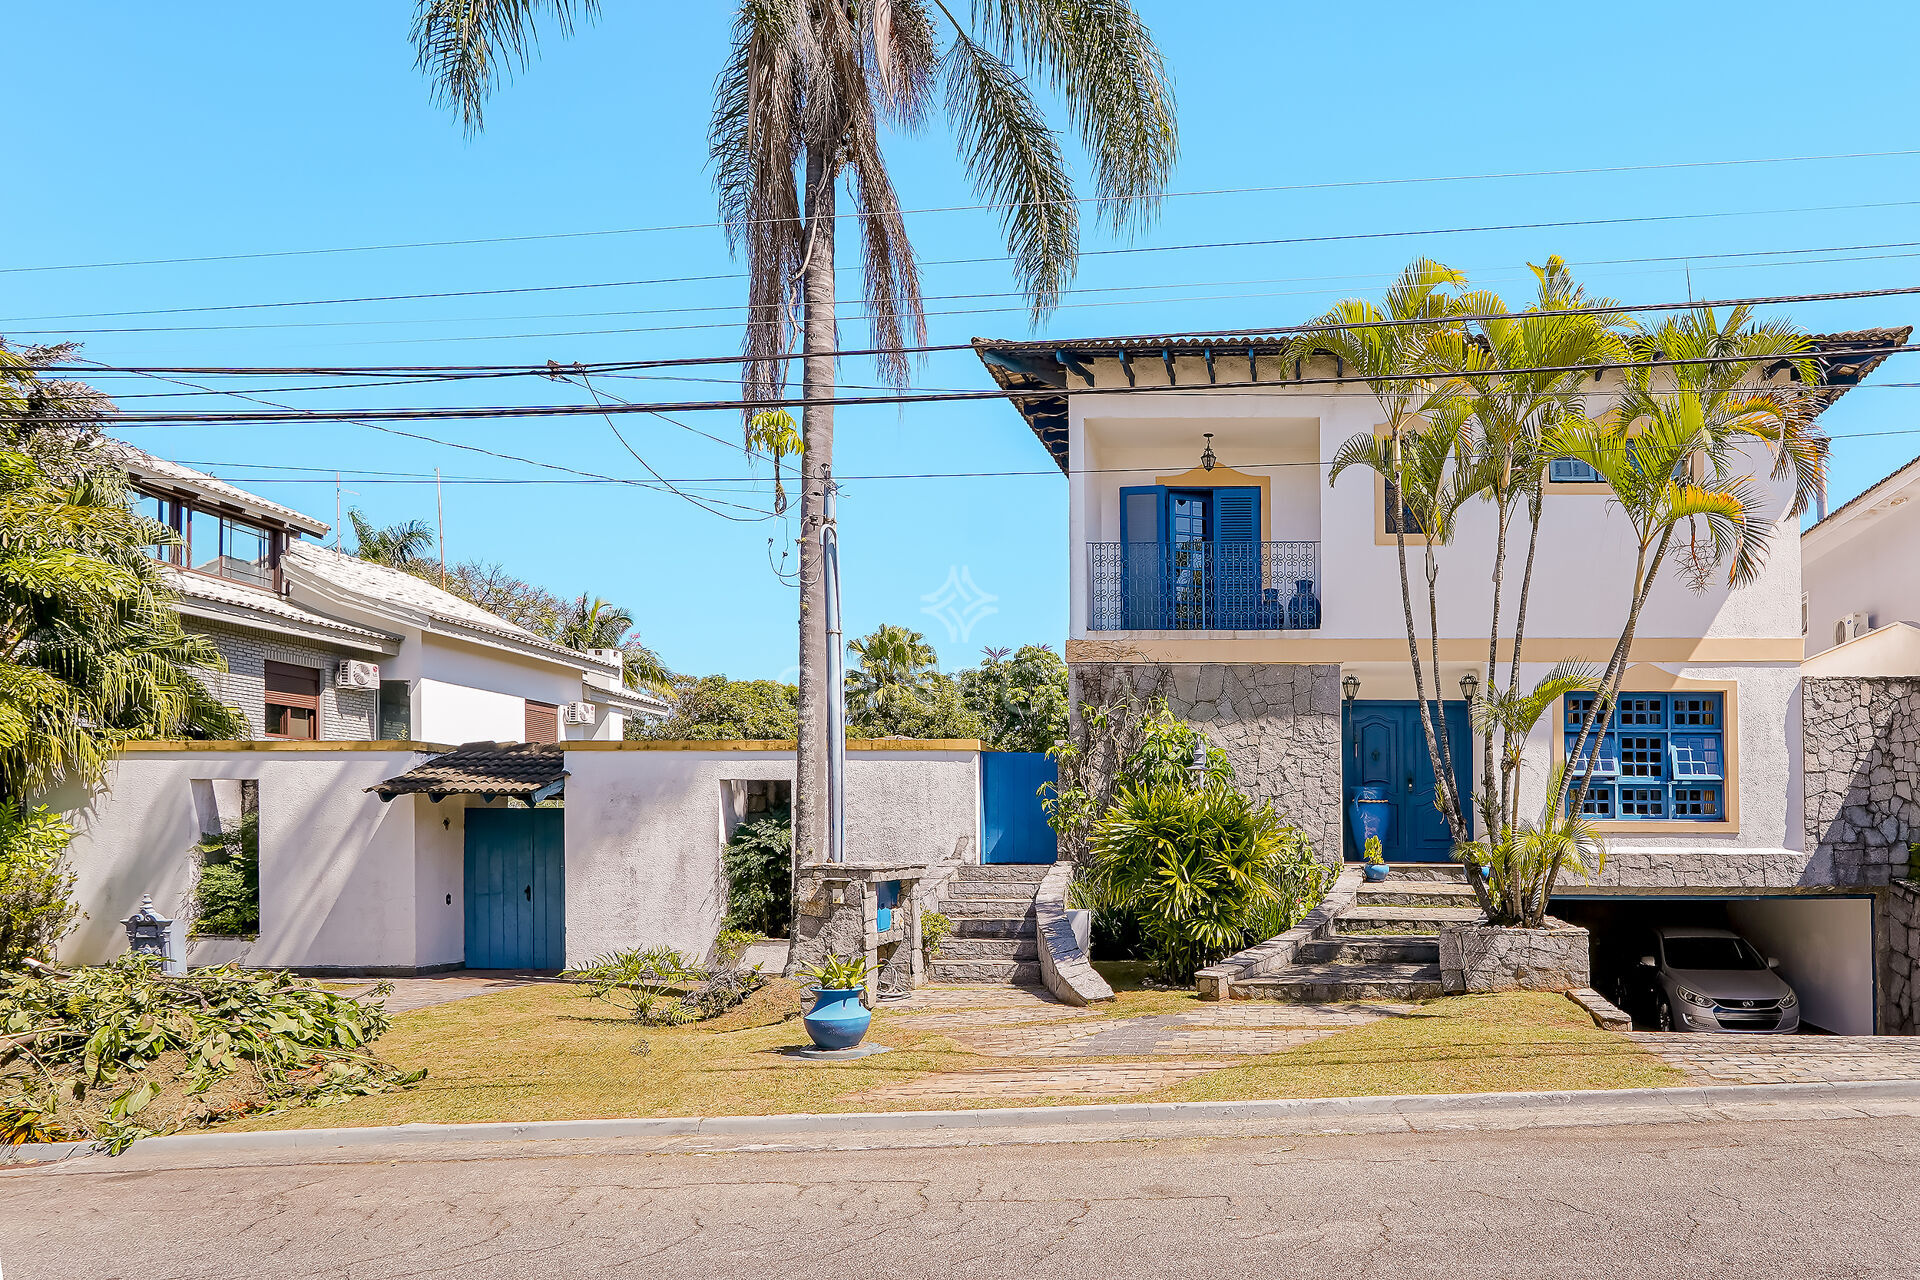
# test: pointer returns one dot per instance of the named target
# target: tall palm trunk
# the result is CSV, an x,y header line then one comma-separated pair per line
x,y
819,339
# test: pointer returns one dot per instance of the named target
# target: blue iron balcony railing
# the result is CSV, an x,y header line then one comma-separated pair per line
x,y
1204,586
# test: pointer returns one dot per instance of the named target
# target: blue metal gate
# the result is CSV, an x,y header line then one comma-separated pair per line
x,y
1013,825
516,889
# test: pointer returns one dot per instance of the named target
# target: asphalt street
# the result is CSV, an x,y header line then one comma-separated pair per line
x,y
1800,1198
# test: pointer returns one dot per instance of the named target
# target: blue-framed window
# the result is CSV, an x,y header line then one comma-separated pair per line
x,y
1571,471
1660,758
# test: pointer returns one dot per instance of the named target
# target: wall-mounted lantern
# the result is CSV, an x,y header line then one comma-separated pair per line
x,y
1469,686
1350,685
1206,455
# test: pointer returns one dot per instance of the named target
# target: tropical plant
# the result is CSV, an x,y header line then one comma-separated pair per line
x,y
589,622
36,889
1116,745
1371,853
662,987
228,893
772,431
120,1051
758,863
801,103
1204,869
935,928
92,651
890,664
837,973
397,546
1021,696
933,708
730,944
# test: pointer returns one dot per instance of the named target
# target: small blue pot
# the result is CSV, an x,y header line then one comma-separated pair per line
x,y
838,1020
1376,871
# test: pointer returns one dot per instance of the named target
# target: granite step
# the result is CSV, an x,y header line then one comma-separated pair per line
x,y
954,948
1401,920
1431,893
1446,872
1001,926
1372,949
1013,889
966,908
1016,972
1318,983
1026,872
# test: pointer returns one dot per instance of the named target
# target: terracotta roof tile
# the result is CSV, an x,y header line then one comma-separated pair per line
x,y
516,770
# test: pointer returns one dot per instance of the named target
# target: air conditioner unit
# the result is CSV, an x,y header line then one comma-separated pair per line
x,y
577,713
1852,627
356,675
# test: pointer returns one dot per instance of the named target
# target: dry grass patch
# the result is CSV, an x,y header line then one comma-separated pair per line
x,y
1515,1042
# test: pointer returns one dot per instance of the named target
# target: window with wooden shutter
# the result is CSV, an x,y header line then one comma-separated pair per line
x,y
292,701
543,722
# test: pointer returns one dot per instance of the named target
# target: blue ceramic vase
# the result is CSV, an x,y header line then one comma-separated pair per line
x,y
1376,872
837,1020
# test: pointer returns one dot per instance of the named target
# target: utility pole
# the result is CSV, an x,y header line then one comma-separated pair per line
x,y
836,680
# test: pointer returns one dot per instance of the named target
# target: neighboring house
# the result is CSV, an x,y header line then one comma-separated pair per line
x,y
328,647
1211,562
1861,575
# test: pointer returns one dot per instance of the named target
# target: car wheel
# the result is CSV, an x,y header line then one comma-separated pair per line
x,y
1620,995
1662,1015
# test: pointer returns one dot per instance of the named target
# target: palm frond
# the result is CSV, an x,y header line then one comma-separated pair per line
x,y
466,47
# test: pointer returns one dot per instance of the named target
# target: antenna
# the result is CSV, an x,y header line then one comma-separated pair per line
x,y
440,527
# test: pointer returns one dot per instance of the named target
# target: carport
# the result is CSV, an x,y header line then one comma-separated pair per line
x,y
1823,941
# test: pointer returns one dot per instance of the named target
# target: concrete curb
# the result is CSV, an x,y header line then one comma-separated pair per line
x,y
1145,1114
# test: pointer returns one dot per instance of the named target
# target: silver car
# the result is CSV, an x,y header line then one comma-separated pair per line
x,y
1708,980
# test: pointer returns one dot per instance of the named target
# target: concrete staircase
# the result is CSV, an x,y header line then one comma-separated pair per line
x,y
1383,947
995,936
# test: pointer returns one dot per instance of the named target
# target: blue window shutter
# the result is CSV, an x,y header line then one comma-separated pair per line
x,y
1143,514
1571,471
1236,515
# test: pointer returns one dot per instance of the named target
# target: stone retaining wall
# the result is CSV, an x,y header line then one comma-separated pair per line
x,y
1481,957
1216,980
1279,724
1900,969
1862,741
1064,966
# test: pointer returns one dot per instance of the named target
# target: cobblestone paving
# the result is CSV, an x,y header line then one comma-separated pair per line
x,y
1762,1059
1020,1022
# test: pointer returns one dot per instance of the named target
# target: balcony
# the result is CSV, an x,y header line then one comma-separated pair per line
x,y
1203,586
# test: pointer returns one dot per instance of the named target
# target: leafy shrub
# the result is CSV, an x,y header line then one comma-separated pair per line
x,y
84,1052
229,890
758,861
1204,870
662,987
36,890
838,973
935,928
730,944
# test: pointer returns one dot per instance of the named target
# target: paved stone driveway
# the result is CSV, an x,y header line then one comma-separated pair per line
x,y
1118,1056
437,988
1758,1059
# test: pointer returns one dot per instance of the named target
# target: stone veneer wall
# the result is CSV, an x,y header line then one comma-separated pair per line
x,y
345,714
1278,723
1900,963
1862,741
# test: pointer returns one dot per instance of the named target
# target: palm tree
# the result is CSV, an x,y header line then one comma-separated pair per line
x,y
397,546
1392,346
889,664
595,623
805,92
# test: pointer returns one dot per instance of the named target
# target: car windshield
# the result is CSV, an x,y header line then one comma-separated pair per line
x,y
1712,953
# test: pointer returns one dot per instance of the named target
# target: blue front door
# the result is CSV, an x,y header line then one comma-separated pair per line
x,y
516,889
1386,747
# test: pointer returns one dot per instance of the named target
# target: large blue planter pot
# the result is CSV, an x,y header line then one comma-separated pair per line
x,y
838,1020
1376,872
1370,813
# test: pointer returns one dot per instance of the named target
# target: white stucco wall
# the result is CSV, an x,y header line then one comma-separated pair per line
x,y
342,879
1825,949
645,829
1862,561
456,713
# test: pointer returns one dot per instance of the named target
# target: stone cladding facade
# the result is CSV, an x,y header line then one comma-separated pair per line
x,y
1861,736
1900,961
1279,724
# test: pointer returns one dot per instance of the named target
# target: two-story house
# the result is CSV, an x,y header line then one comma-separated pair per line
x,y
1211,561
325,646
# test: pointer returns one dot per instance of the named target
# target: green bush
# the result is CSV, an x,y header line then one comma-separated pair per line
x,y
758,861
662,987
935,928
229,889
36,890
1204,871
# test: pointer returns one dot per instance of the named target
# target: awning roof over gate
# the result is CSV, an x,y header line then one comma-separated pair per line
x,y
528,772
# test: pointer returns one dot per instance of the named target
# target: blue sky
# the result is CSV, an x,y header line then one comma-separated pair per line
x,y
256,128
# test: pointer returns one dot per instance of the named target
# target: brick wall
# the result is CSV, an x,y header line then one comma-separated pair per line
x,y
345,714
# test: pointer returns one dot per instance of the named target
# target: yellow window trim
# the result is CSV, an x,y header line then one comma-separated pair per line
x,y
1226,477
1649,679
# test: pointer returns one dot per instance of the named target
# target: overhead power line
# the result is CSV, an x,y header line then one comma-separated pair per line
x,y
899,398
1350,184
457,372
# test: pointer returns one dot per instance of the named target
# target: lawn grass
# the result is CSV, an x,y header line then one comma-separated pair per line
x,y
1522,1041
544,1052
